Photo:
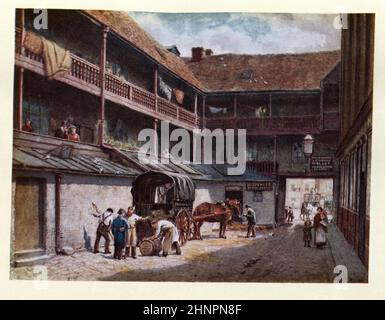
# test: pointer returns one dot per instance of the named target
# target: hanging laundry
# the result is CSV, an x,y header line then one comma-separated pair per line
x,y
179,95
57,61
164,89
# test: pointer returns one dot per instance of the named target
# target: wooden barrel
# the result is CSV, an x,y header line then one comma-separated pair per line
x,y
149,247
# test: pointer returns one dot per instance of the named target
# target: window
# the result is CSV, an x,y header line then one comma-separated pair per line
x,y
258,196
37,112
298,157
252,151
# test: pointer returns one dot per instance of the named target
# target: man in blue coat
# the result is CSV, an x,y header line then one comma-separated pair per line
x,y
119,228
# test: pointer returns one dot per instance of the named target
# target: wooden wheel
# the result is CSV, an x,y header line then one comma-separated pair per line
x,y
183,223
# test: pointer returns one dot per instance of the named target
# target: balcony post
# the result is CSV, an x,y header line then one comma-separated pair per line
x,y
22,34
270,110
20,99
321,124
275,155
196,108
235,112
102,73
204,112
156,87
156,145
21,75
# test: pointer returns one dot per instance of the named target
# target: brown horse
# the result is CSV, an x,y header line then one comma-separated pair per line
x,y
215,212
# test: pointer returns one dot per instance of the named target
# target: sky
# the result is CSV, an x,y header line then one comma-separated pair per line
x,y
242,33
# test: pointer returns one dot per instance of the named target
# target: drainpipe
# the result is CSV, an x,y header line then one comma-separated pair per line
x,y
58,244
102,71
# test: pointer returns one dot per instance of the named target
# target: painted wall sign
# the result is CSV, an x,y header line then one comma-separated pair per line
x,y
319,164
259,186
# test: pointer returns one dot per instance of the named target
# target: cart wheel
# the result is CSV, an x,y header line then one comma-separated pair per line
x,y
182,221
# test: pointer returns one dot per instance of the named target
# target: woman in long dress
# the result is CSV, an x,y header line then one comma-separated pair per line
x,y
320,228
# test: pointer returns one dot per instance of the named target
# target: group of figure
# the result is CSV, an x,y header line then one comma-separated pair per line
x,y
63,132
319,225
123,230
67,132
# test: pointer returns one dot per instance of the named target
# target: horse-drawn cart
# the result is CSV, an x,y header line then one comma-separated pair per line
x,y
169,193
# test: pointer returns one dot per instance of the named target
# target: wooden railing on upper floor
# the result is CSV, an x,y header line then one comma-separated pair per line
x,y
269,125
90,74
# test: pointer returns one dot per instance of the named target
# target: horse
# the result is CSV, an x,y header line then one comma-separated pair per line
x,y
215,212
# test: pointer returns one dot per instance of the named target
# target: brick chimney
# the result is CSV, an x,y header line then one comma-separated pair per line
x,y
208,52
197,54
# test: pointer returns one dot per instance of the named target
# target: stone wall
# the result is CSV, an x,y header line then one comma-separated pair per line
x,y
78,226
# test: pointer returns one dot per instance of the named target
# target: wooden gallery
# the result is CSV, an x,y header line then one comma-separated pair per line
x,y
99,74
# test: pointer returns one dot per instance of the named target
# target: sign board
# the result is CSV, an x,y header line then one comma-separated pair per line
x,y
320,164
260,186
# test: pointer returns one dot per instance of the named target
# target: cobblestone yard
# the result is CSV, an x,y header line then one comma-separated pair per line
x,y
275,255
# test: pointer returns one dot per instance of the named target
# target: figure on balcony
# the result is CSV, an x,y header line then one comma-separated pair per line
x,y
27,126
72,135
62,132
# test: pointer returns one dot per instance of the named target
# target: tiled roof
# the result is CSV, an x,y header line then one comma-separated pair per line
x,y
233,72
122,24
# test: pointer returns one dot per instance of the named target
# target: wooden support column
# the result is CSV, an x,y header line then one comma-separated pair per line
x,y
19,111
321,125
275,155
235,112
196,108
102,72
156,87
204,112
20,72
156,126
270,105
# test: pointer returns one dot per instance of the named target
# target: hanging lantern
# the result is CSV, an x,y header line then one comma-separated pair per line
x,y
308,143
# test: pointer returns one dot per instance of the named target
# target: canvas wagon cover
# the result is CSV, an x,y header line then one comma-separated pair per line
x,y
144,186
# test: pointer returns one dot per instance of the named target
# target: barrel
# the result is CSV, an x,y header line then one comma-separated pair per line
x,y
150,247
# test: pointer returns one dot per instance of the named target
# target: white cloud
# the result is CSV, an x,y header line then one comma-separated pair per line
x,y
243,33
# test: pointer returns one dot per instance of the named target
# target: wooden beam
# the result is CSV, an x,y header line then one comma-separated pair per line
x,y
196,108
20,99
156,87
270,105
275,155
321,107
102,72
204,112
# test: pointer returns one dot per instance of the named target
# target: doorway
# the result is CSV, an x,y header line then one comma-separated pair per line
x,y
29,222
312,192
235,194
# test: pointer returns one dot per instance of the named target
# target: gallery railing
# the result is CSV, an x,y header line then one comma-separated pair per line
x,y
282,124
90,74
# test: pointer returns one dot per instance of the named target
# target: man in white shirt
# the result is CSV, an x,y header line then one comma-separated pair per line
x,y
104,229
131,240
167,230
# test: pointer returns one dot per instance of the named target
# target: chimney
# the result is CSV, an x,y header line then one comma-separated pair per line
x,y
208,52
197,54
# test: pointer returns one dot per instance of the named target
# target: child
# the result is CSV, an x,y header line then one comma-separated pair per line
x,y
307,233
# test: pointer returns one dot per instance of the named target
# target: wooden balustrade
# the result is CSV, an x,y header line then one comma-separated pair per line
x,y
276,124
167,108
90,73
117,86
18,40
268,167
186,116
143,98
85,71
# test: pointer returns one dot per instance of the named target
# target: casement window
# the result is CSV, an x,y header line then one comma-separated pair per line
x,y
297,155
38,113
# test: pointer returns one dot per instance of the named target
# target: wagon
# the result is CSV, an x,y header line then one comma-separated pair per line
x,y
170,193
